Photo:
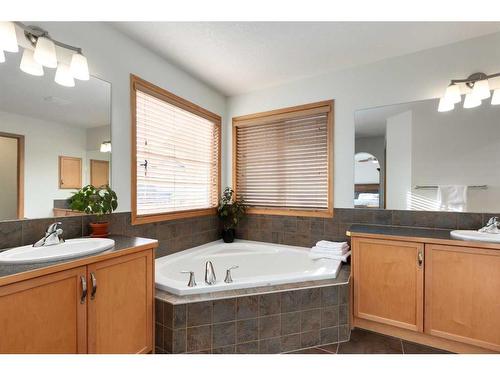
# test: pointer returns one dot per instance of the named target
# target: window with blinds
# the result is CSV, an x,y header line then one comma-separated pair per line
x,y
282,160
177,148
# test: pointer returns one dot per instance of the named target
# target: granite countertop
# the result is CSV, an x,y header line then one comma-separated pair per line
x,y
342,278
435,236
121,243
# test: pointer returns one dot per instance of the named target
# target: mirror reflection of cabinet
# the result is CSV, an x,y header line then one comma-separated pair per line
x,y
70,172
99,172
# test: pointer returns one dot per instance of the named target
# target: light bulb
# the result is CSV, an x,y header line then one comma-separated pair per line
x,y
64,76
45,52
481,89
8,38
79,67
106,146
495,100
452,94
445,105
2,56
471,101
29,65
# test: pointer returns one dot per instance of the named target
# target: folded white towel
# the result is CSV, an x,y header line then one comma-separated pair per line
x,y
331,244
452,197
343,257
325,251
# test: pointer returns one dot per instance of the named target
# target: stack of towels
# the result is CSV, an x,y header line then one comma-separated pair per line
x,y
333,250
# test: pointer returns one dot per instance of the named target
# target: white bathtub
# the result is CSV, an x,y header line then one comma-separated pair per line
x,y
260,264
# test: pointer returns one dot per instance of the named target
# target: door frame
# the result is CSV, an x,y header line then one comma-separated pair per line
x,y
20,171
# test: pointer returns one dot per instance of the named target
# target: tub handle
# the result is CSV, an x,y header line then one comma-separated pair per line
x,y
228,278
192,281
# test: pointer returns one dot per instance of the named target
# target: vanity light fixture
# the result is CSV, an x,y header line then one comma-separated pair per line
x,y
476,87
40,52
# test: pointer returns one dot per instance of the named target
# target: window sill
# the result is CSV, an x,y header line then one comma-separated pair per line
x,y
146,219
328,213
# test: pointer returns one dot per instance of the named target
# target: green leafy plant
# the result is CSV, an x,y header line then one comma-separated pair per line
x,y
91,200
230,210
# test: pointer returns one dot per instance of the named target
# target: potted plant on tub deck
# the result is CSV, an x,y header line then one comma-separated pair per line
x,y
230,211
95,201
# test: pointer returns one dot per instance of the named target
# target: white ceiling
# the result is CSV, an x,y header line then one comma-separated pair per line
x,y
239,57
86,105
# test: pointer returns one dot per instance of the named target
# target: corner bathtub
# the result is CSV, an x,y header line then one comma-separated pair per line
x,y
260,264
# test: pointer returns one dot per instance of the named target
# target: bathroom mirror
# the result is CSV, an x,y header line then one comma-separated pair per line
x,y
412,157
53,140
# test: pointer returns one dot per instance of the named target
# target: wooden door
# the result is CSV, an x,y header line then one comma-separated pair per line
x,y
462,294
44,315
120,309
70,172
388,282
99,172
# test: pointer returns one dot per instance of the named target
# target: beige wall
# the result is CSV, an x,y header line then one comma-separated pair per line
x,y
8,173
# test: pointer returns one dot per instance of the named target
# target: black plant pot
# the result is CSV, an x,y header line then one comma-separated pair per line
x,y
228,235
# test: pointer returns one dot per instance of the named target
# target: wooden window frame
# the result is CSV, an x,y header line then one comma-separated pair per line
x,y
162,94
247,120
20,171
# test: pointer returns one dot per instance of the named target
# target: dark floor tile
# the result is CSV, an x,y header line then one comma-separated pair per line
x,y
158,335
290,342
290,323
329,316
290,301
269,326
331,348
199,313
329,335
310,320
199,338
225,350
270,346
310,351
414,348
310,298
308,339
269,304
344,332
365,342
330,295
159,316
248,348
344,314
179,316
224,310
247,307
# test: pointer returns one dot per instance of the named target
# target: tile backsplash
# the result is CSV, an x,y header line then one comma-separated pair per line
x,y
177,235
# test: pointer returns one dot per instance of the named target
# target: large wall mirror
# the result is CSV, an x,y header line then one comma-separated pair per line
x,y
53,140
412,157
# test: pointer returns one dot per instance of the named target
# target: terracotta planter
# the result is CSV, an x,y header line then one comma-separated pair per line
x,y
99,229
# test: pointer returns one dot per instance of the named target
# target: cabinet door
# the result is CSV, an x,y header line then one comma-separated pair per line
x,y
70,172
120,305
99,172
462,289
388,282
46,314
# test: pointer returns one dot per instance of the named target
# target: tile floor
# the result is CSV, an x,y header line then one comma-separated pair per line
x,y
366,342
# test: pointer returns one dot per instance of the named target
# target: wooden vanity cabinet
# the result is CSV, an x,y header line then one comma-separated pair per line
x,y
462,294
389,282
101,307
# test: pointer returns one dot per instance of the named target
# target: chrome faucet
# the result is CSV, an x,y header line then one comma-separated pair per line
x,y
192,281
492,226
210,278
53,236
229,278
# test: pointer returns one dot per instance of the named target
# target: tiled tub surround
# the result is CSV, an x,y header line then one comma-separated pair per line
x,y
273,322
305,231
173,236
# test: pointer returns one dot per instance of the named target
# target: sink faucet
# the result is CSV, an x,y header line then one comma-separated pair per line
x,y
210,278
492,226
53,236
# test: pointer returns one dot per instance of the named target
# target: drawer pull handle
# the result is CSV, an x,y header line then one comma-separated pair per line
x,y
84,289
420,259
93,280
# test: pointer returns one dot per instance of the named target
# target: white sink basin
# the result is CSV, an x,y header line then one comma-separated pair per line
x,y
70,249
474,235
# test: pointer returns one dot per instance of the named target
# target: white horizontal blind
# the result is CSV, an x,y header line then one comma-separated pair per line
x,y
177,158
283,163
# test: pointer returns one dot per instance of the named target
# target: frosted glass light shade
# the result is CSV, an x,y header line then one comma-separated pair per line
x,y
495,100
481,89
45,52
79,67
2,56
64,76
452,94
445,105
471,101
106,146
8,38
29,65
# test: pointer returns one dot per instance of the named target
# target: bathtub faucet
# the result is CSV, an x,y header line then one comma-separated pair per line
x,y
210,278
